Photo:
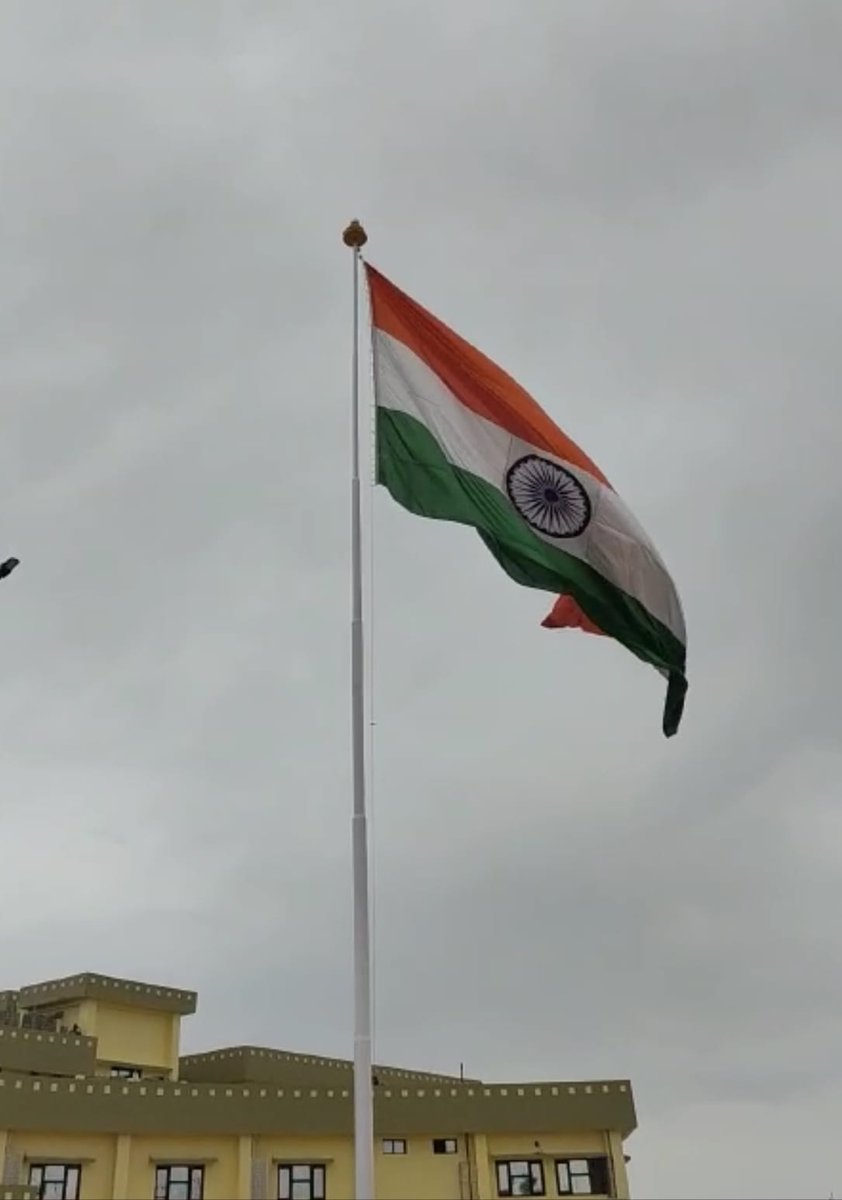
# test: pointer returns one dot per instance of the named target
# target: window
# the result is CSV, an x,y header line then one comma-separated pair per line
x,y
179,1182
520,1177
301,1181
55,1181
583,1177
445,1146
394,1145
126,1073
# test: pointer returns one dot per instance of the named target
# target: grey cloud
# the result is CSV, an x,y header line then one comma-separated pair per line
x,y
634,208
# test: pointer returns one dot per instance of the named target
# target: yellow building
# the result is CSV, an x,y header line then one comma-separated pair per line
x,y
96,1103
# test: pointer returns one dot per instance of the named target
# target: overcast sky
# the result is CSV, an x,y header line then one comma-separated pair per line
x,y
634,207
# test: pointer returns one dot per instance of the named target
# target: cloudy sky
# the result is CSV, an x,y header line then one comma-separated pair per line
x,y
634,207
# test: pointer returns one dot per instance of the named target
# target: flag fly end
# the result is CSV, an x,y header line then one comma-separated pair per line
x,y
674,703
567,614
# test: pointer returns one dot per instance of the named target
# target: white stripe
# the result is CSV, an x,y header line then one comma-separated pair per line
x,y
405,384
614,543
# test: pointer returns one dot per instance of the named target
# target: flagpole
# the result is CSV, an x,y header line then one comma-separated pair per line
x,y
355,237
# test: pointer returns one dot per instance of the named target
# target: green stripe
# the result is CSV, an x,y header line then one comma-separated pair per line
x,y
414,469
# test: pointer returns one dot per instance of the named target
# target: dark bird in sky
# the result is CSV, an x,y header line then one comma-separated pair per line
x,y
8,566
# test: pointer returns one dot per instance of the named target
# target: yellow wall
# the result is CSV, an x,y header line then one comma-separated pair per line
x,y
480,1166
82,1014
419,1172
218,1154
550,1146
559,1145
336,1153
97,1173
123,1168
135,1037
618,1161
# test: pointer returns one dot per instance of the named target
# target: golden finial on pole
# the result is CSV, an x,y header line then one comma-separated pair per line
x,y
355,236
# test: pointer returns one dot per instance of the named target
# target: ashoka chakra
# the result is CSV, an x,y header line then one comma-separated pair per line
x,y
549,498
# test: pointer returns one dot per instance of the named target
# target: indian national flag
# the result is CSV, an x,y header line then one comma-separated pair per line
x,y
459,440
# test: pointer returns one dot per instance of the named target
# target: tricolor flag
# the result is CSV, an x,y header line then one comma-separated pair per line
x,y
459,440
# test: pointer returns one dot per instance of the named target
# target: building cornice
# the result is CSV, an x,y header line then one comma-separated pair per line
x,y
90,986
112,1106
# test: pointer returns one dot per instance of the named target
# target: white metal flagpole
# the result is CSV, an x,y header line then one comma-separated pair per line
x,y
355,237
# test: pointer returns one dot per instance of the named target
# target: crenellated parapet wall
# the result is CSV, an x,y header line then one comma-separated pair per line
x,y
258,1064
115,1106
110,989
46,1053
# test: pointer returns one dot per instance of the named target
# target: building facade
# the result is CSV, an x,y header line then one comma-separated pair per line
x,y
96,1103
